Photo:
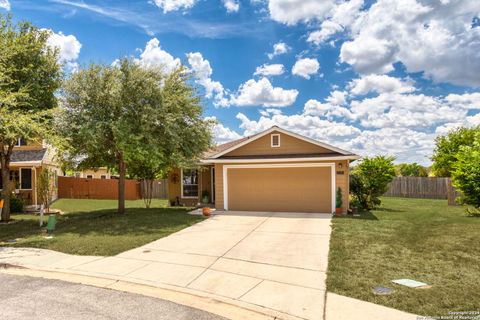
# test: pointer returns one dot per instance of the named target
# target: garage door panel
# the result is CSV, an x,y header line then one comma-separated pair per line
x,y
292,189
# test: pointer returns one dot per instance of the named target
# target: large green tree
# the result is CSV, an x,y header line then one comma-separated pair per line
x,y
128,116
369,180
411,170
29,76
447,148
466,173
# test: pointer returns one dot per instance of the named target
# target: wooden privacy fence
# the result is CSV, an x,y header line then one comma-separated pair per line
x,y
80,188
422,187
159,190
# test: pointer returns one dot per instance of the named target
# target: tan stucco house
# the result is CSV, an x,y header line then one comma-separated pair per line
x,y
27,161
274,170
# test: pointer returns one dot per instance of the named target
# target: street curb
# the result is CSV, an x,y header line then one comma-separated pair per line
x,y
224,307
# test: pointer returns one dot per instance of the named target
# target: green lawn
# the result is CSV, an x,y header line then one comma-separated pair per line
x,y
424,240
91,227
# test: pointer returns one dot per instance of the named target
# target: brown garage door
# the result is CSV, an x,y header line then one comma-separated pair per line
x,y
292,189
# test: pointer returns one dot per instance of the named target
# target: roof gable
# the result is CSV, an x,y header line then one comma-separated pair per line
x,y
259,145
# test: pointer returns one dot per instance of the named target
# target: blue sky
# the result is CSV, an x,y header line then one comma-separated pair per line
x,y
374,77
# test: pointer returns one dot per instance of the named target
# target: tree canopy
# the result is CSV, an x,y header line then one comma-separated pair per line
x,y
411,170
29,77
466,173
136,119
447,148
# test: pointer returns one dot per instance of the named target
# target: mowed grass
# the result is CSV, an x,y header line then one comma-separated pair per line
x,y
92,227
420,239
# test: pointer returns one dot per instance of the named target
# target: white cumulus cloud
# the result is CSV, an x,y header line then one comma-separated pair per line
x,y
291,12
434,37
5,4
278,49
69,48
203,72
270,70
341,15
262,93
379,84
174,5
231,5
305,67
221,133
154,56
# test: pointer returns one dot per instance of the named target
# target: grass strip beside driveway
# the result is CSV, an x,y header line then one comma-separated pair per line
x,y
92,227
420,239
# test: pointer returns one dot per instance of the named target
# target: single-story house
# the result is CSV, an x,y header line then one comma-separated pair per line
x,y
274,170
94,173
27,161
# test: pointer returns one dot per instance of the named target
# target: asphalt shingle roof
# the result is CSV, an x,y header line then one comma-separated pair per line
x,y
28,155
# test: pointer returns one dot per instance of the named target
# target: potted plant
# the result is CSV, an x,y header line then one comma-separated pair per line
x,y
339,202
206,211
205,196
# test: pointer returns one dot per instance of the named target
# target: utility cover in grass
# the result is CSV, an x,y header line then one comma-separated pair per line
x,y
410,283
382,291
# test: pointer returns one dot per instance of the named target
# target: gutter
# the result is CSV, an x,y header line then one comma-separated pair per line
x,y
212,161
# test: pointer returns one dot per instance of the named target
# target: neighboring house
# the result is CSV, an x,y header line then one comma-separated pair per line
x,y
94,173
27,161
275,170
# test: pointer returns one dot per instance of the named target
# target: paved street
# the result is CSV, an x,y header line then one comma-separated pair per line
x,y
35,298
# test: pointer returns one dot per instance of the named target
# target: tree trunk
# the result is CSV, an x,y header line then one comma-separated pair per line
x,y
6,192
121,184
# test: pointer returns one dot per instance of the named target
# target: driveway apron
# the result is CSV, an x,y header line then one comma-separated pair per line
x,y
274,260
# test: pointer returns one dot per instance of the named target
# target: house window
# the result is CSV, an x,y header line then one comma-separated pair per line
x,y
26,179
15,178
275,140
189,183
103,176
21,142
89,176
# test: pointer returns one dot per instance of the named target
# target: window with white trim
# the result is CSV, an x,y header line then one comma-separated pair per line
x,y
21,142
189,183
275,140
26,179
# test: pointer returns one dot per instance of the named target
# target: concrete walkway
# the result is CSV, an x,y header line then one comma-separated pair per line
x,y
270,263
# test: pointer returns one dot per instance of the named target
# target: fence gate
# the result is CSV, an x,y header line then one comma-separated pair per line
x,y
159,189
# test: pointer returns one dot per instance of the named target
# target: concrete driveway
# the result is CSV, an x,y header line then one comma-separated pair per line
x,y
274,260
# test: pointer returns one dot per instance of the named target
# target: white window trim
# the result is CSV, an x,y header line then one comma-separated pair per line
x,y
20,178
271,140
277,165
181,185
19,144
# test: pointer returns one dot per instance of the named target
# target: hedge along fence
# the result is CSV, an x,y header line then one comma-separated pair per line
x,y
422,187
81,188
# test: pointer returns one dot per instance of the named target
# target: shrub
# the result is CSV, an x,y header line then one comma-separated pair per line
x,y
370,179
16,205
466,175
339,200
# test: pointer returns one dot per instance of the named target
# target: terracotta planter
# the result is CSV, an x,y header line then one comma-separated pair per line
x,y
206,211
338,211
